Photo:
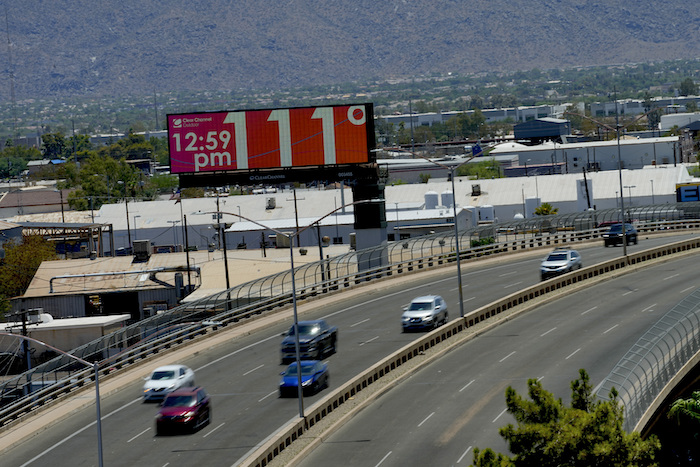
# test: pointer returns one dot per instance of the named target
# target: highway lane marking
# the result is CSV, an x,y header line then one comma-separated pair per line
x,y
512,285
426,419
359,322
368,341
649,308
69,437
383,459
687,289
254,369
671,277
589,310
384,297
273,392
138,435
629,292
467,385
224,357
499,415
213,430
573,353
421,286
610,329
465,453
545,333
509,355
507,274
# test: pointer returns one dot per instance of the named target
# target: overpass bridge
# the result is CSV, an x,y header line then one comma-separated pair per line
x,y
186,325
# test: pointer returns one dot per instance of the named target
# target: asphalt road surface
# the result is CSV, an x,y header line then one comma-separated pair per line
x,y
242,375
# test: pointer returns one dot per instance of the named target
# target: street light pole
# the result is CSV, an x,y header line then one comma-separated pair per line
x,y
96,368
298,232
619,170
454,213
459,267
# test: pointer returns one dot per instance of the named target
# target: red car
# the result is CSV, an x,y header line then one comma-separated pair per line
x,y
185,409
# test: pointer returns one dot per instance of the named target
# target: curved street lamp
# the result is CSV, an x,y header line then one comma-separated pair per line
x,y
96,368
454,214
291,236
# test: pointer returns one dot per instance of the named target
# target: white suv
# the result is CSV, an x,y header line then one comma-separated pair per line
x,y
429,311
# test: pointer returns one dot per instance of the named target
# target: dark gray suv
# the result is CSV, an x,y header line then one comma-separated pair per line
x,y
614,235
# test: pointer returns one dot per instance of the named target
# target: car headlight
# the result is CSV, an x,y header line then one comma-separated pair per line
x,y
305,383
427,318
405,318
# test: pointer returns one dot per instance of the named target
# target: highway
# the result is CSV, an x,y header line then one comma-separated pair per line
x,y
438,415
242,375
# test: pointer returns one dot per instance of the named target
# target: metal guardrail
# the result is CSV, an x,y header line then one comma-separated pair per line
x,y
183,323
291,432
654,360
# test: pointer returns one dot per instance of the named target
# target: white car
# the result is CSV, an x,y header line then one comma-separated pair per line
x,y
429,311
560,261
166,379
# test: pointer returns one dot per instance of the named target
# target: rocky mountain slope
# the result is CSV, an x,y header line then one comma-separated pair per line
x,y
61,48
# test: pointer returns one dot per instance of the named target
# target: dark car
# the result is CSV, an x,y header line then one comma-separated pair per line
x,y
185,409
314,377
316,339
614,235
560,261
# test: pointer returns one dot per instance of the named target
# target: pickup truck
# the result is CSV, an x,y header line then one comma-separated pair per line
x,y
316,339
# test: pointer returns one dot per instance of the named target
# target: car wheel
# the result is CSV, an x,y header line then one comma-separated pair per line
x,y
334,347
444,321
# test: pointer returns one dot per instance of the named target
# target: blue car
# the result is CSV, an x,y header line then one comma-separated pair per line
x,y
314,377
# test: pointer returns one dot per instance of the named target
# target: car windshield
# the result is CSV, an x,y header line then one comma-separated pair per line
x,y
158,375
179,401
306,329
420,306
557,257
305,370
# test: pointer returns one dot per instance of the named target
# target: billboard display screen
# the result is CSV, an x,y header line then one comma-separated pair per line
x,y
268,139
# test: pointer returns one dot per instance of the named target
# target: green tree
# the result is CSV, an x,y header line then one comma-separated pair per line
x,y
548,433
480,170
688,87
20,264
13,160
53,145
546,209
101,179
686,413
469,124
687,410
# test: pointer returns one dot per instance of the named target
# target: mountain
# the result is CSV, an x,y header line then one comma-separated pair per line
x,y
61,48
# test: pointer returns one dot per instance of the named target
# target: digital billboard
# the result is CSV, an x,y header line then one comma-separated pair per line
x,y
270,139
687,192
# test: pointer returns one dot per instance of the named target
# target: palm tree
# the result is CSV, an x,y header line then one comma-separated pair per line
x,y
686,409
546,209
